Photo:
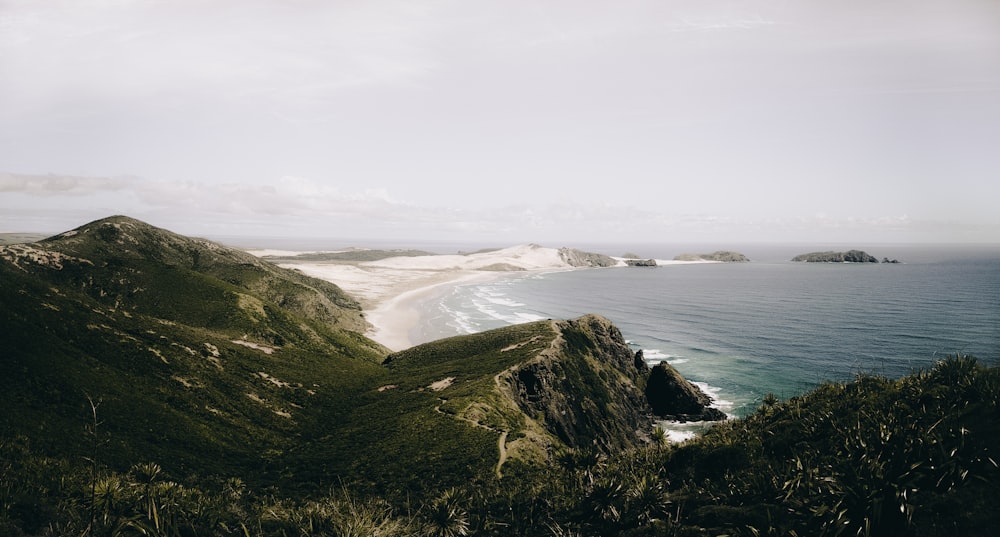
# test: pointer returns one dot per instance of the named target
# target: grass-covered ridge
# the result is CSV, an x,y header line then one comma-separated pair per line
x,y
458,408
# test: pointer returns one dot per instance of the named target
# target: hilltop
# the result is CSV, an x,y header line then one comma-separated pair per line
x,y
190,348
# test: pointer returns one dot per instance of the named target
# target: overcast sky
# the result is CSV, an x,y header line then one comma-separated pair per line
x,y
506,121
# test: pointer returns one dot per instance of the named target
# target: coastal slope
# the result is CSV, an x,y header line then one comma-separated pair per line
x,y
152,389
211,361
189,349
512,397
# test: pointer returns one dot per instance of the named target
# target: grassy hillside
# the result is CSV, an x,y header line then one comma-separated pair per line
x,y
915,456
190,362
456,409
125,344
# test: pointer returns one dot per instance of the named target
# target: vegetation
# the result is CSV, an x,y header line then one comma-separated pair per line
x,y
914,456
162,386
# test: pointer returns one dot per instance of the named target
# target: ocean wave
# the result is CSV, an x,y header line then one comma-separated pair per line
x,y
713,392
461,321
529,317
655,356
489,310
681,431
495,297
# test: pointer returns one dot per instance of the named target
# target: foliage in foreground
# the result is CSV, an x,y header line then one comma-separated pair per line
x,y
916,456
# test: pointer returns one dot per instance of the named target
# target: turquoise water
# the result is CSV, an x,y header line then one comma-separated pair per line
x,y
769,326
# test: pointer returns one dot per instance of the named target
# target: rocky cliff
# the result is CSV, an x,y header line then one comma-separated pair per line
x,y
585,388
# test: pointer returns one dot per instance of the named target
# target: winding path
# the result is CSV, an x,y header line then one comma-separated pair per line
x,y
501,442
502,446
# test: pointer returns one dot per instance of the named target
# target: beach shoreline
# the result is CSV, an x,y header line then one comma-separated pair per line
x,y
395,320
391,298
395,292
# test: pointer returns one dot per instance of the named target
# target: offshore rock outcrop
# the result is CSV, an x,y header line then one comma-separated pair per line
x,y
641,262
672,397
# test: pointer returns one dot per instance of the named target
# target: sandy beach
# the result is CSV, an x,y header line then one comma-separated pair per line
x,y
392,298
394,291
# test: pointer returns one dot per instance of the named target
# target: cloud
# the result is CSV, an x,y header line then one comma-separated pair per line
x,y
60,185
305,207
290,196
286,57
720,24
310,207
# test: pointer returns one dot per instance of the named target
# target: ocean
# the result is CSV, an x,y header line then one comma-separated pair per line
x,y
743,330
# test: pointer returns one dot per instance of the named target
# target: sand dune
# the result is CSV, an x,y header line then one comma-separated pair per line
x,y
392,290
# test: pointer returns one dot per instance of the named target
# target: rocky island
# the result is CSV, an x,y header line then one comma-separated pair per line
x,y
721,256
850,256
634,260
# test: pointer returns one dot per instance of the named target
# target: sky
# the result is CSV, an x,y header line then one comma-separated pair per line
x,y
505,121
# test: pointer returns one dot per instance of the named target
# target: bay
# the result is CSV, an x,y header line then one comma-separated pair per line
x,y
744,330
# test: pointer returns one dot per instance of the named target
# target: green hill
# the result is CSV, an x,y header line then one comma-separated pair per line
x,y
200,356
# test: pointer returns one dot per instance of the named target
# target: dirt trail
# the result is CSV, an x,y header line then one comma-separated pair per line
x,y
502,445
501,442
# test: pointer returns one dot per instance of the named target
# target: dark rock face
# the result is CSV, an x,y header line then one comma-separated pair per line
x,y
672,397
850,256
641,262
586,392
640,362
